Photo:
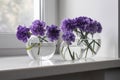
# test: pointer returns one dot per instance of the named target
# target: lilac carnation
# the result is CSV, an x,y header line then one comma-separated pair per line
x,y
94,27
53,32
37,28
86,24
82,22
68,25
23,33
99,30
68,37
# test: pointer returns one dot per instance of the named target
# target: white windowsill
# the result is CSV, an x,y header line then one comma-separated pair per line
x,y
22,67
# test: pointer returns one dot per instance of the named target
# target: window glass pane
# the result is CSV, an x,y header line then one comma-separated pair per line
x,y
15,12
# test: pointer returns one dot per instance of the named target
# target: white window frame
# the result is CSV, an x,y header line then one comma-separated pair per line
x,y
9,40
11,46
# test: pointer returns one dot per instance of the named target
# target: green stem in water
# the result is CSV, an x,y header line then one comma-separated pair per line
x,y
71,53
63,52
89,46
86,53
30,47
43,39
97,43
84,37
93,47
38,48
39,45
86,41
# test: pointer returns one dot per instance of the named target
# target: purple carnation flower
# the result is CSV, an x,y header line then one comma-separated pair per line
x,y
68,25
68,37
37,28
82,22
53,32
99,30
88,25
23,33
94,27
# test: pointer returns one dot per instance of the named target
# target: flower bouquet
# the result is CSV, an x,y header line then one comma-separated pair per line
x,y
39,38
78,38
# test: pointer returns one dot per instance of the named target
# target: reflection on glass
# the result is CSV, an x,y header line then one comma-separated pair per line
x,y
35,63
14,12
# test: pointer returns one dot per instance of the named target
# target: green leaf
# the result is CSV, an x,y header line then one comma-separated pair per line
x,y
30,47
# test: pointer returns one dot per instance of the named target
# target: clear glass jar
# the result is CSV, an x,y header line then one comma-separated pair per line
x,y
89,47
42,50
81,48
70,52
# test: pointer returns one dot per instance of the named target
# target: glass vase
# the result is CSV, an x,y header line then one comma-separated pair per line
x,y
70,52
81,48
89,47
40,50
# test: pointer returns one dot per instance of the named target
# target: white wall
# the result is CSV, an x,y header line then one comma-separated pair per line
x,y
51,12
104,11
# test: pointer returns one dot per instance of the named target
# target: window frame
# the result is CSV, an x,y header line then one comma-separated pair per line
x,y
118,28
9,40
11,46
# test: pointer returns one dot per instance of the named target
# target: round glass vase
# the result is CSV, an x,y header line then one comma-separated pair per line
x,y
40,50
81,48
89,47
70,52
